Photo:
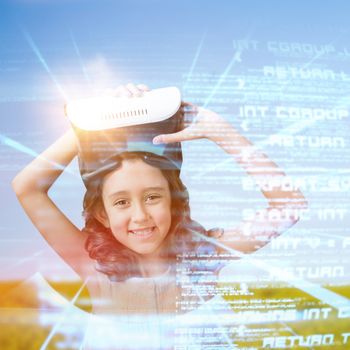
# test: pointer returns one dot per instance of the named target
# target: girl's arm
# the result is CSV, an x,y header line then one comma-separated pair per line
x,y
251,234
31,186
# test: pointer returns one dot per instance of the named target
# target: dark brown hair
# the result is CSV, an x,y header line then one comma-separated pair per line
x,y
116,260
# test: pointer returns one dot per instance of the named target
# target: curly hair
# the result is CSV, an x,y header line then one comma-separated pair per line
x,y
116,260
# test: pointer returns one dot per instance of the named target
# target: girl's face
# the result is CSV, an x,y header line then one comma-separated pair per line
x,y
137,204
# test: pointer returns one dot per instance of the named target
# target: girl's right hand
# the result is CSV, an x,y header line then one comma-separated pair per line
x,y
128,90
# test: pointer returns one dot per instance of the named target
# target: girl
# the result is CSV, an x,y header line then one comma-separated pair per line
x,y
138,223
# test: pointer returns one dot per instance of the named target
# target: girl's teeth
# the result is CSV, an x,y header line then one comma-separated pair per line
x,y
142,233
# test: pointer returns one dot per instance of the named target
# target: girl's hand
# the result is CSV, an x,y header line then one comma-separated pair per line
x,y
129,90
198,123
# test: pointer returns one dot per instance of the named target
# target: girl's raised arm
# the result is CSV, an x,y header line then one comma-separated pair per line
x,y
256,232
31,186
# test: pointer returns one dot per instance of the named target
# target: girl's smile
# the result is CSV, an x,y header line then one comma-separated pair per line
x,y
143,232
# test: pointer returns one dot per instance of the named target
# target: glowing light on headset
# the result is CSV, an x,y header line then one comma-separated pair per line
x,y
108,112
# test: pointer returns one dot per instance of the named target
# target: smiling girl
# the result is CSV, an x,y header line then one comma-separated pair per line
x,y
137,217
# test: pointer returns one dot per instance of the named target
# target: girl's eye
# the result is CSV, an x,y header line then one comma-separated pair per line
x,y
121,203
152,197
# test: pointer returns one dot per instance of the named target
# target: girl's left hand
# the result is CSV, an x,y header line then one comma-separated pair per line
x,y
198,123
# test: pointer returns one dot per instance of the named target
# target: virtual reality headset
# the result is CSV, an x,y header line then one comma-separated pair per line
x,y
109,126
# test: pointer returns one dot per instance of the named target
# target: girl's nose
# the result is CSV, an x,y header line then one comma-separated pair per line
x,y
140,213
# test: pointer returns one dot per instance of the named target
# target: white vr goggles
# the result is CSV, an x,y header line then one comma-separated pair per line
x,y
108,126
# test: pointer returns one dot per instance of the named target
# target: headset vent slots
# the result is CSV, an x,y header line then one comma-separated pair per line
x,y
125,114
109,112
